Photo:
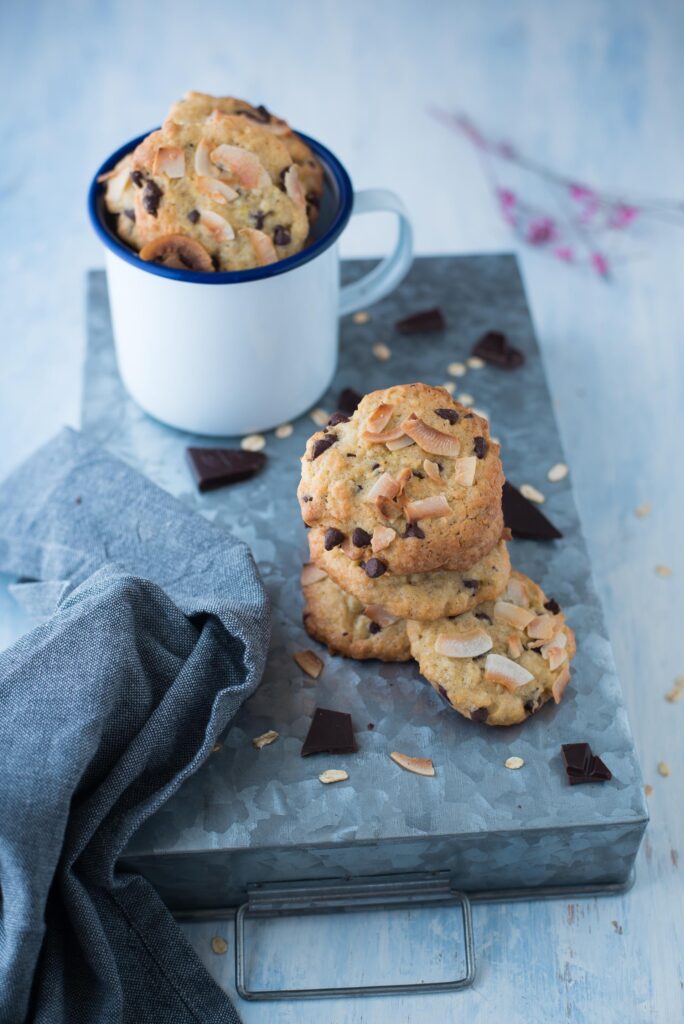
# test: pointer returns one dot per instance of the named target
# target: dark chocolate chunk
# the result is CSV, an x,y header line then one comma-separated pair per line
x,y
333,538
260,114
479,715
151,198
360,539
374,567
137,178
480,447
281,235
374,628
581,765
337,417
552,606
194,216
422,322
495,349
414,530
322,445
330,732
216,467
524,519
258,219
307,497
472,584
130,214
483,616
419,474
348,401
448,414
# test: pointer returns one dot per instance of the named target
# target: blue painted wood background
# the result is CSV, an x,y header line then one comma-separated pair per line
x,y
594,89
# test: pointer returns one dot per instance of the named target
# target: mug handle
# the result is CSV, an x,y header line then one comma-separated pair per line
x,y
383,278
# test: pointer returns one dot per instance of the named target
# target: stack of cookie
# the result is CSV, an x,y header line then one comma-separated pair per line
x,y
409,560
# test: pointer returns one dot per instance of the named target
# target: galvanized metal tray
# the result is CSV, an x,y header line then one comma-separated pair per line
x,y
251,819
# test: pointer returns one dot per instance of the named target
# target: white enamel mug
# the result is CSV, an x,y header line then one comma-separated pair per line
x,y
239,352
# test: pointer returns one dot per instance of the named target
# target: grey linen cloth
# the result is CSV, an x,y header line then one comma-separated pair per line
x,y
157,632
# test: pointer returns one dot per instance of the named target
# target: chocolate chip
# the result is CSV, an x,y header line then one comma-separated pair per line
x,y
313,199
281,235
422,322
472,584
581,765
448,414
496,350
307,497
417,473
151,198
194,216
137,178
479,715
260,114
333,538
552,606
130,214
483,616
414,530
337,417
322,445
480,447
330,732
524,519
348,401
374,628
374,567
216,467
258,218
360,539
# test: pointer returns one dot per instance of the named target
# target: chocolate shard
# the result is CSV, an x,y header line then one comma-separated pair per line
x,y
348,400
330,732
321,445
495,348
524,519
422,322
582,766
217,467
479,715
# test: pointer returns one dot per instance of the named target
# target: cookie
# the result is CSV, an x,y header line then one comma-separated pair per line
x,y
346,626
195,107
227,184
415,471
500,662
424,595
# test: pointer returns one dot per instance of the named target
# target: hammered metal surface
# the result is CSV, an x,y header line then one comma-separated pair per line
x,y
267,806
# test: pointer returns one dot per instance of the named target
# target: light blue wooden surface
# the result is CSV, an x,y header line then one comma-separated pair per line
x,y
593,88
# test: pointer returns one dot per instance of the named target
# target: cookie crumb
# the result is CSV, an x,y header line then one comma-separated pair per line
x,y
215,749
253,443
265,739
648,789
663,769
284,430
219,945
449,386
663,570
532,494
643,510
557,472
514,762
362,317
382,351
417,765
309,662
475,363
466,399
677,690
333,775
320,417
457,369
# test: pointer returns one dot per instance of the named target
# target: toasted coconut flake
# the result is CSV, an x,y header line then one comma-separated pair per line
x,y
432,470
464,470
542,627
253,442
217,226
434,442
383,436
507,673
514,645
376,613
379,418
384,487
216,190
309,662
532,494
293,187
516,593
559,640
311,574
203,165
333,775
108,175
265,739
404,476
169,160
382,352
560,684
262,245
178,251
513,763
417,765
516,616
401,442
382,538
245,167
118,181
433,507
555,656
469,644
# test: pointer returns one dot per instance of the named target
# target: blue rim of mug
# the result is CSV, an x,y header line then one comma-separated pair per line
x,y
335,173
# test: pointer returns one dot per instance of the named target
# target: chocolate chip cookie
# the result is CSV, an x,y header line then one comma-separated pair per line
x,y
415,473
500,662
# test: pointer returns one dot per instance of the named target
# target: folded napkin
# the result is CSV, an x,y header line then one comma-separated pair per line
x,y
157,630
